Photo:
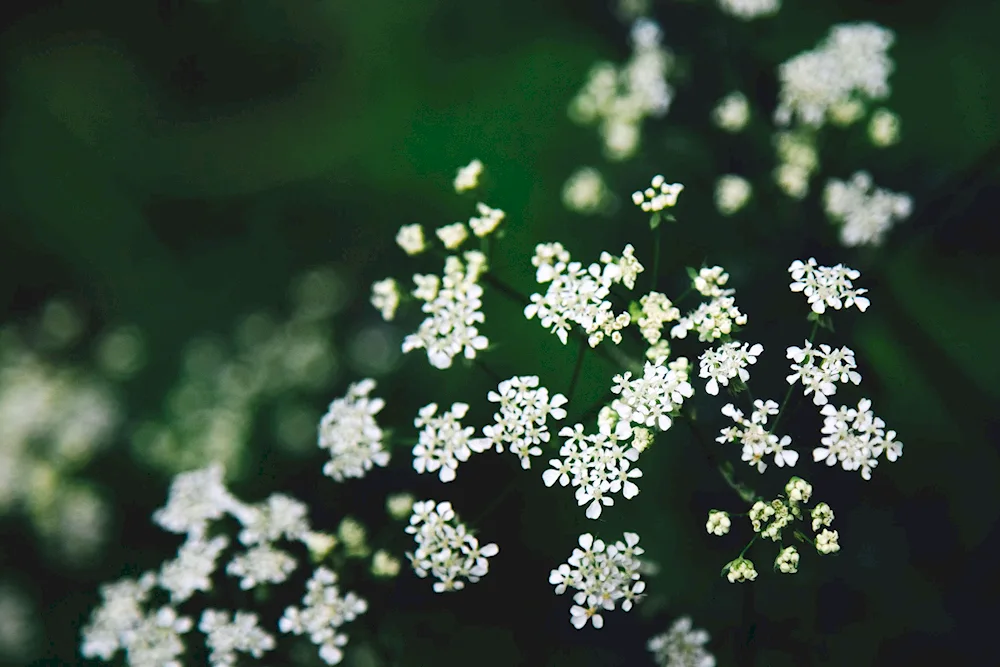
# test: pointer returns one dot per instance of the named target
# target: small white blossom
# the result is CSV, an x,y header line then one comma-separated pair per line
x,y
798,160
384,565
192,569
585,192
468,176
354,535
711,320
732,113
827,286
826,542
681,646
120,612
453,235
453,313
883,128
279,517
820,380
798,490
196,498
756,439
769,519
603,575
709,282
822,515
855,438
385,297
732,193
741,570
399,505
726,362
489,219
443,442
323,613
155,641
226,637
657,310
660,195
411,239
747,10
865,213
649,400
261,564
718,523
787,561
445,548
520,423
351,434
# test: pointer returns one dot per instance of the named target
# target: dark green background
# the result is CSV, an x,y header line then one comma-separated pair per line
x,y
175,164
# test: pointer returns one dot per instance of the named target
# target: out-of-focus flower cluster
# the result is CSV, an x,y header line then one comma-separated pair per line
x,y
864,212
681,646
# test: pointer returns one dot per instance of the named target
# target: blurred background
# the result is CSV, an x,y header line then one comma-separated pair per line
x,y
195,197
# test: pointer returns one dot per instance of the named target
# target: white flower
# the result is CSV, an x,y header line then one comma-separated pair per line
x,y
769,519
826,542
741,570
732,192
445,548
261,564
756,439
399,505
520,422
827,286
385,297
732,112
578,295
196,498
453,235
865,213
120,612
411,239
351,434
649,400
280,517
822,515
585,192
323,613
602,574
468,176
443,443
798,490
225,637
798,160
883,128
820,381
727,361
787,560
192,569
489,219
657,310
747,10
711,320
660,195
384,565
855,438
354,536
453,313
718,523
155,640
849,67
681,646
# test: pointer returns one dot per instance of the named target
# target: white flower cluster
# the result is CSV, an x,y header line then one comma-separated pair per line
x,y
226,637
578,295
467,177
732,113
453,306
658,196
716,318
324,611
385,297
725,362
820,380
487,222
797,162
657,310
834,80
585,192
856,438
681,646
520,423
649,400
747,10
351,434
756,439
453,235
732,193
411,239
741,570
603,575
443,442
597,465
445,548
718,523
865,213
618,99
827,286
196,500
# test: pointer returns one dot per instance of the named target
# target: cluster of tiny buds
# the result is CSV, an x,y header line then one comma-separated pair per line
x,y
660,195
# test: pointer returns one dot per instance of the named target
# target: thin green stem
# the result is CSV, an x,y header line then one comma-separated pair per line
x,y
788,394
577,367
656,257
725,468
